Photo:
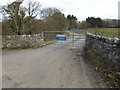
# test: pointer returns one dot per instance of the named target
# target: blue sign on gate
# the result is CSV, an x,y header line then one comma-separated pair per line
x,y
61,37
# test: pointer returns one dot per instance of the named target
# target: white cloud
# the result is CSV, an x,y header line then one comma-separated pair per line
x,y
83,8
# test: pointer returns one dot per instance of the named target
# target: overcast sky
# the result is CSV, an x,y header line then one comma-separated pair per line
x,y
82,8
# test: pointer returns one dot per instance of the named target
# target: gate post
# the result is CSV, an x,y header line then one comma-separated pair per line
x,y
73,37
43,35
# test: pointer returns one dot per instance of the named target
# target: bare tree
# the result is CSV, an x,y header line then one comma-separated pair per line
x,y
32,11
54,19
48,12
32,8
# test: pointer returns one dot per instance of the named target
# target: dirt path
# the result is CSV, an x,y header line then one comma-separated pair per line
x,y
52,66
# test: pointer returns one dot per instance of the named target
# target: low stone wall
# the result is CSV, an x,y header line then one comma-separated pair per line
x,y
21,41
106,48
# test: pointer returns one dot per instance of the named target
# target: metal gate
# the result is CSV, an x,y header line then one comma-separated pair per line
x,y
66,38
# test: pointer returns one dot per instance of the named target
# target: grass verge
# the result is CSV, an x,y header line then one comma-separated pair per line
x,y
112,77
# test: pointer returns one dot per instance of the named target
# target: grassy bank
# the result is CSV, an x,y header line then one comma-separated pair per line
x,y
111,76
109,32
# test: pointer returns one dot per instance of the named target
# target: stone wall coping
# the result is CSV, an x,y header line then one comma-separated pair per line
x,y
114,40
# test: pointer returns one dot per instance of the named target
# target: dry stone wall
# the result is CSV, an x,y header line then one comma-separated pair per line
x,y
106,48
21,41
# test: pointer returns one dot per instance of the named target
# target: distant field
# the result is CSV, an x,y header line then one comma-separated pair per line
x,y
109,32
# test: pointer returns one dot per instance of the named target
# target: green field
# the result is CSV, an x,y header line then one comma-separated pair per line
x,y
108,32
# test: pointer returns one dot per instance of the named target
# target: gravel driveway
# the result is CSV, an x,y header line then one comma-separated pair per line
x,y
52,66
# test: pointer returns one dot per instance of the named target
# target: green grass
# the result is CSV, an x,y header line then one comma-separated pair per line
x,y
92,57
108,32
49,42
